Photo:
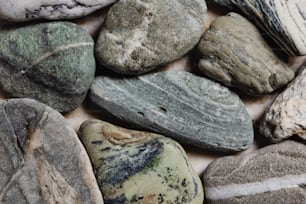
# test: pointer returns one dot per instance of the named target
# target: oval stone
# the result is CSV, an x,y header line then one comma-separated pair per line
x,y
20,10
273,174
234,53
42,160
139,167
286,116
50,62
178,104
140,35
283,20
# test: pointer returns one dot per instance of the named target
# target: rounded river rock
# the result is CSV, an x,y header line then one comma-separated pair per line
x,y
286,116
50,62
234,53
42,160
178,104
273,174
283,20
21,10
139,167
140,35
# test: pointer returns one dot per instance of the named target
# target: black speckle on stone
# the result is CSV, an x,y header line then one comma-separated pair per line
x,y
97,142
118,200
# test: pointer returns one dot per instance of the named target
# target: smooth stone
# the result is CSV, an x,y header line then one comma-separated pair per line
x,y
286,116
234,53
42,160
140,35
283,20
20,10
50,62
180,105
273,174
139,167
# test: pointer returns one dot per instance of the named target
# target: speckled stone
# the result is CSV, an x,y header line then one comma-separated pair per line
x,y
286,116
50,62
283,20
42,160
178,104
234,53
140,35
139,167
273,174
20,10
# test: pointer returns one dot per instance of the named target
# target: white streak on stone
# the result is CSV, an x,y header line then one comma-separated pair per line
x,y
268,185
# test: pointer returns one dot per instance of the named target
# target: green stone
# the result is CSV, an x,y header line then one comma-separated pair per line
x,y
139,167
50,62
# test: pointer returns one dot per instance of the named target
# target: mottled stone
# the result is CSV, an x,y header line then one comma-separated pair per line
x,y
42,160
139,167
234,53
286,116
20,10
283,20
274,174
140,35
178,104
50,62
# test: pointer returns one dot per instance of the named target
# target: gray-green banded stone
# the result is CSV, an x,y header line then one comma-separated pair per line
x,y
140,35
139,167
286,116
283,20
234,53
50,62
42,159
273,174
178,104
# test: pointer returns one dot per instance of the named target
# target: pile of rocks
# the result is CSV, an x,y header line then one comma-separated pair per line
x,y
49,67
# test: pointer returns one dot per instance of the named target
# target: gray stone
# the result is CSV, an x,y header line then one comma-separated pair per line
x,y
178,104
234,53
50,62
139,167
42,160
286,116
273,174
20,10
140,35
284,21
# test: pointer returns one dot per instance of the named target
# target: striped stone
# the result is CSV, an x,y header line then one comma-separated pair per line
x,y
180,105
273,174
283,20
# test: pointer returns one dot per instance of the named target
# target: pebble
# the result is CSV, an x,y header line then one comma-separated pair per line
x,y
20,10
273,174
284,21
180,105
140,35
286,116
139,167
42,160
50,62
234,53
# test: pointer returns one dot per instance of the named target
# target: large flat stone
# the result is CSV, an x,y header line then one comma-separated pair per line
x,y
42,160
178,104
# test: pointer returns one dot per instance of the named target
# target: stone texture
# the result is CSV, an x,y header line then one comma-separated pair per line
x,y
274,174
178,104
20,10
42,160
283,20
234,53
50,62
141,35
286,116
139,167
